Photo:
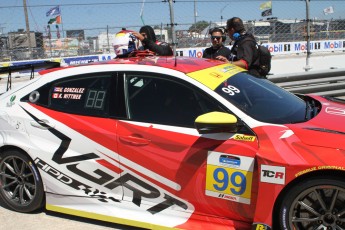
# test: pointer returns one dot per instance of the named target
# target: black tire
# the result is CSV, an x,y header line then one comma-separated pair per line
x,y
317,203
21,186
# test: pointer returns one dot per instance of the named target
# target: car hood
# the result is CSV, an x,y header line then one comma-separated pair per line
x,y
327,129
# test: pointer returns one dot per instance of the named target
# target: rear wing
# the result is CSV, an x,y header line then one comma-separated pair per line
x,y
26,67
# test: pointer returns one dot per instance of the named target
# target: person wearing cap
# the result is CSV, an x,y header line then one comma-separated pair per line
x,y
148,38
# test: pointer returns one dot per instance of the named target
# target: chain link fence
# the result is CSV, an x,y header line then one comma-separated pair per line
x,y
89,27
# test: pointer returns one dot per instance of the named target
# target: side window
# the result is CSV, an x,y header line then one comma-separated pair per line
x,y
161,101
87,95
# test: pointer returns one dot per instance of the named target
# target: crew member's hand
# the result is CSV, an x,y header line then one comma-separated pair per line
x,y
221,58
138,35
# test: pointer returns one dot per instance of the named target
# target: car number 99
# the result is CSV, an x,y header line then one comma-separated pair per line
x,y
229,181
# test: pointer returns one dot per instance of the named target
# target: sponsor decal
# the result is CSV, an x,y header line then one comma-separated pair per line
x,y
335,111
272,174
229,177
228,68
34,170
332,44
81,60
196,53
305,171
216,75
227,197
13,97
73,183
228,160
179,53
141,190
284,218
219,75
241,137
322,167
260,226
11,102
287,47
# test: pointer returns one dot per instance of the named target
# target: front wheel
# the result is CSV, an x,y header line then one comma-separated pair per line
x,y
317,203
21,186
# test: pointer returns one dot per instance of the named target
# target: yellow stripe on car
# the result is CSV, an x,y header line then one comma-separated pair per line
x,y
214,76
111,219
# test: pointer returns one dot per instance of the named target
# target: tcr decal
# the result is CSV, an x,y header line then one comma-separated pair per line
x,y
272,174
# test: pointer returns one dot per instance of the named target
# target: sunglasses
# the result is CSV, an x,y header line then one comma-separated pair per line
x,y
216,37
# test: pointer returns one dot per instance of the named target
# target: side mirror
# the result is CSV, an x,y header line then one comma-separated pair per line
x,y
216,122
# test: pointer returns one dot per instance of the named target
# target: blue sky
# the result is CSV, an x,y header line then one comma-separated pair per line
x,y
95,16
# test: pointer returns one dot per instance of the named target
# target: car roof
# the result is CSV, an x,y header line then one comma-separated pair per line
x,y
179,63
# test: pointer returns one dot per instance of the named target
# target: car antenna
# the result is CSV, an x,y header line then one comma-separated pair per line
x,y
172,24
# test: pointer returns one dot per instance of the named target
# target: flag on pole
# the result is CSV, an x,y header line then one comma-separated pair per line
x,y
49,34
57,32
266,13
328,10
266,5
53,11
266,8
56,20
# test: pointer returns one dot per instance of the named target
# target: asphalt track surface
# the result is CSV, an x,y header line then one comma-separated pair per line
x,y
43,219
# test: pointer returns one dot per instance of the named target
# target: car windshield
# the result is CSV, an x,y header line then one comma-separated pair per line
x,y
263,100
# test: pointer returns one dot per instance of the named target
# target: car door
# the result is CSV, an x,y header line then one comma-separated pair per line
x,y
172,169
75,140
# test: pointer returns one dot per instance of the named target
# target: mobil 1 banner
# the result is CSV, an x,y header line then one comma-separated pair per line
x,y
280,48
301,47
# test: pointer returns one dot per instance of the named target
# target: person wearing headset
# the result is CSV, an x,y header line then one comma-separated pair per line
x,y
244,52
217,50
147,37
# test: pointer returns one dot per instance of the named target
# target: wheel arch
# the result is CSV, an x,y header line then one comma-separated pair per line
x,y
37,201
291,184
13,147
